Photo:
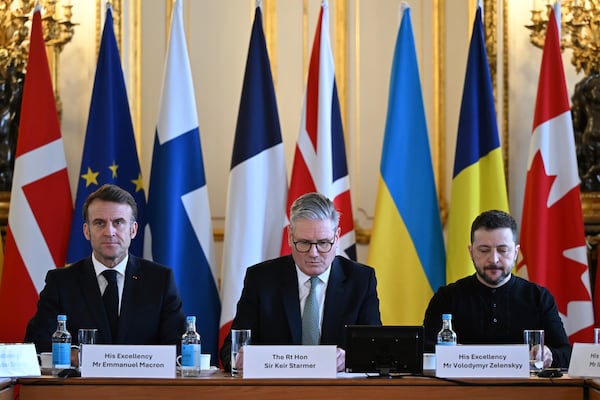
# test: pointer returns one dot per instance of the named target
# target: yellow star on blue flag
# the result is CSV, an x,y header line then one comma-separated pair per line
x,y
109,145
113,168
90,177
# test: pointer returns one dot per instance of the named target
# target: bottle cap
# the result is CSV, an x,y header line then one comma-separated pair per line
x,y
61,317
191,318
446,316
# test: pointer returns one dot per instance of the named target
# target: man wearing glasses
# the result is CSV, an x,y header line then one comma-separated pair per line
x,y
279,298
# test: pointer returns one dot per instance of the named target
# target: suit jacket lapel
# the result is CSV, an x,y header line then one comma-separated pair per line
x,y
291,300
132,275
93,298
334,296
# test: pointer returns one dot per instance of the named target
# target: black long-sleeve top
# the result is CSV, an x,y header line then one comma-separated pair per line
x,y
484,315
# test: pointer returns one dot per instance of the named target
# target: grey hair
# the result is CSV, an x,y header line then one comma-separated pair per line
x,y
314,207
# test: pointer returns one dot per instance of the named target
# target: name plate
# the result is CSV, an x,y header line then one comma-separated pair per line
x,y
127,361
18,360
585,360
482,361
266,361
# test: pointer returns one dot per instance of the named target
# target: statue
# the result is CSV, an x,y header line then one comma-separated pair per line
x,y
11,91
586,127
6,150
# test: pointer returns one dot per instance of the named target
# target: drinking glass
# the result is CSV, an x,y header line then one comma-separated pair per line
x,y
84,336
535,339
239,339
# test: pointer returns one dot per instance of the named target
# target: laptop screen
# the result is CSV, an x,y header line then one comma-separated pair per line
x,y
384,349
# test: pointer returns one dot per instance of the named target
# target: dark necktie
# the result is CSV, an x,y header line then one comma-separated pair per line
x,y
111,301
310,316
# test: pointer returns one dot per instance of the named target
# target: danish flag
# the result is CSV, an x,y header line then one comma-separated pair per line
x,y
40,203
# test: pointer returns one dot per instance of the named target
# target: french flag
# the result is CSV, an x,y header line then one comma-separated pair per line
x,y
181,234
320,157
256,196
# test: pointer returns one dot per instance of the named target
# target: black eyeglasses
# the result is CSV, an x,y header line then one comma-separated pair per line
x,y
323,246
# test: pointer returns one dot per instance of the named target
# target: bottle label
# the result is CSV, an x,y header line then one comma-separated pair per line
x,y
190,355
61,355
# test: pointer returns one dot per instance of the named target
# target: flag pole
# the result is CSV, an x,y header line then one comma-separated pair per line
x,y
402,7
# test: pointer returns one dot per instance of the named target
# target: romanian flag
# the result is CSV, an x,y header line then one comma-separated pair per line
x,y
478,181
407,246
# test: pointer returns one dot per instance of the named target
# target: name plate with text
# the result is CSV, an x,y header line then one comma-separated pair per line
x,y
18,359
479,361
289,361
585,360
127,361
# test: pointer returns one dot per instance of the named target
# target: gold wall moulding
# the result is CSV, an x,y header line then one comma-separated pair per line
x,y
579,31
4,205
58,30
590,205
15,25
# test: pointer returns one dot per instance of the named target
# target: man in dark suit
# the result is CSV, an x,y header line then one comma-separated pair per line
x,y
147,305
275,292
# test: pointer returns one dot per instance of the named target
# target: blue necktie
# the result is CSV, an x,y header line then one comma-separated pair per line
x,y
310,316
111,301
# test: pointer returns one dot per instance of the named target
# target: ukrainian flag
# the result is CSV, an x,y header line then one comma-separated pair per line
x,y
407,246
478,182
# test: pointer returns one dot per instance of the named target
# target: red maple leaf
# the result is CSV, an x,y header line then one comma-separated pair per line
x,y
547,233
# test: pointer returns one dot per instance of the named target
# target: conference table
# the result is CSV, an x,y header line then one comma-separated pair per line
x,y
220,386
6,390
594,389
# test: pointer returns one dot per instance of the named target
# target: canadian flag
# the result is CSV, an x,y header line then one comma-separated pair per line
x,y
40,204
320,158
553,243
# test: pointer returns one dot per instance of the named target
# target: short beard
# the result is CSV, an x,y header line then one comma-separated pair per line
x,y
492,282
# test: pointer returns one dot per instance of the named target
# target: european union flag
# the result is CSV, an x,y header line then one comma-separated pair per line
x,y
109,152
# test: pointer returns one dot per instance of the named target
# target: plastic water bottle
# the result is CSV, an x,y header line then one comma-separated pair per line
x,y
61,345
446,336
190,349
